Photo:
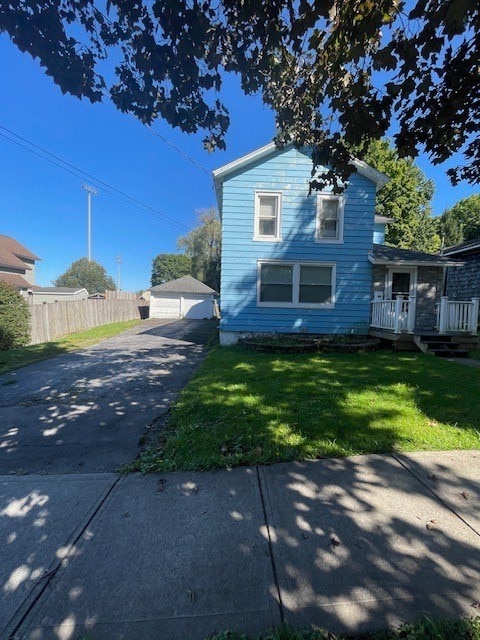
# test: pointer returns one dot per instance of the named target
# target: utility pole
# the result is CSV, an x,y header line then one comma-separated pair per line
x,y
90,191
119,264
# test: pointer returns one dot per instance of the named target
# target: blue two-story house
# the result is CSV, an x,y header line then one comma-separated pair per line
x,y
316,263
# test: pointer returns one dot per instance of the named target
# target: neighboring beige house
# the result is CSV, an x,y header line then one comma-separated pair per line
x,y
17,264
17,267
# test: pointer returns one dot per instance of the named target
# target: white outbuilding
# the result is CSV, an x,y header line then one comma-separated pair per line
x,y
184,297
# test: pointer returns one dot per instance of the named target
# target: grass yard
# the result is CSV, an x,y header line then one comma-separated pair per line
x,y
20,357
424,629
245,407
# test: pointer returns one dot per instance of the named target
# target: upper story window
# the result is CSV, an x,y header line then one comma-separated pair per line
x,y
268,212
329,223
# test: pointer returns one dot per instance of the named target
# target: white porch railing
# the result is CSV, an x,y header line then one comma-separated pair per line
x,y
394,315
457,315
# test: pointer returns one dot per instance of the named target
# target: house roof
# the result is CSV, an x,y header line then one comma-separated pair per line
x,y
470,245
380,179
12,254
383,254
61,290
186,284
15,280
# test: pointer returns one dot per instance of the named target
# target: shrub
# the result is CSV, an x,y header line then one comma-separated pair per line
x,y
14,318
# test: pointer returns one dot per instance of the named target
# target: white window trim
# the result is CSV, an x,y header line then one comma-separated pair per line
x,y
341,208
256,236
389,279
296,285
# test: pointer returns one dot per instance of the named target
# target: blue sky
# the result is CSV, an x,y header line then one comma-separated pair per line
x,y
44,207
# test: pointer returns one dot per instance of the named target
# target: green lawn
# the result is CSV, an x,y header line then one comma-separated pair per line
x,y
251,408
424,629
20,357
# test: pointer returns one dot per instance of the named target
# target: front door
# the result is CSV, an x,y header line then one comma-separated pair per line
x,y
401,282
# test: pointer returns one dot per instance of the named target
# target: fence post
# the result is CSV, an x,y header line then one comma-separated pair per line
x,y
398,313
474,316
412,303
443,317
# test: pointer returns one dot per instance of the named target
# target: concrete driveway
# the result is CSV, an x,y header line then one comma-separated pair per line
x,y
84,412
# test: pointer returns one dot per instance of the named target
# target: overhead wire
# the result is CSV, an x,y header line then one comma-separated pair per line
x,y
80,173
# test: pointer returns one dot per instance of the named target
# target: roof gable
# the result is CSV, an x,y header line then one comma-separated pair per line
x,y
13,254
378,178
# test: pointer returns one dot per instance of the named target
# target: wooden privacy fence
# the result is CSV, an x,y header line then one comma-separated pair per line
x,y
53,320
120,295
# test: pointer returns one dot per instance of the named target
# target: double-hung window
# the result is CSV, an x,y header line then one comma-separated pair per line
x,y
296,284
268,211
329,223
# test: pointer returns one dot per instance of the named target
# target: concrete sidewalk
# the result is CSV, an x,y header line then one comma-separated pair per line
x,y
350,545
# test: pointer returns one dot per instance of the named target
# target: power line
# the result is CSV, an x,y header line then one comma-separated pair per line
x,y
184,155
80,173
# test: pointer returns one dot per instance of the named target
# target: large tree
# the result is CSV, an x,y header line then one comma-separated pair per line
x,y
204,245
168,266
336,74
450,229
88,274
466,213
406,199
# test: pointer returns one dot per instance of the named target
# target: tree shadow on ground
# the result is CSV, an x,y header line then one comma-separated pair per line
x,y
250,408
87,410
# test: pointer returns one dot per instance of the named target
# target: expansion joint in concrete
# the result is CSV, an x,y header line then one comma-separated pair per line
x,y
270,548
45,580
435,494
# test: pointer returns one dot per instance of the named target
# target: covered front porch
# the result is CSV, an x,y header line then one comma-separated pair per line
x,y
408,308
454,333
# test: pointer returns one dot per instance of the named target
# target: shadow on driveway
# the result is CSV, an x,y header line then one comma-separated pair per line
x,y
85,411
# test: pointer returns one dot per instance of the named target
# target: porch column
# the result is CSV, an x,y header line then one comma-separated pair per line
x,y
398,313
443,320
474,316
412,304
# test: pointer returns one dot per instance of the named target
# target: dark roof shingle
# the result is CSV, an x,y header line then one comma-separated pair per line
x,y
470,245
186,284
383,254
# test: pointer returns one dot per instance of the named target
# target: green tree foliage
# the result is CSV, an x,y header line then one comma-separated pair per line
x,y
450,229
168,266
204,245
334,73
406,199
88,274
14,318
467,213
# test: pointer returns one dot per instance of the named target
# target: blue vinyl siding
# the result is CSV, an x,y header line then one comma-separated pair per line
x,y
379,233
289,172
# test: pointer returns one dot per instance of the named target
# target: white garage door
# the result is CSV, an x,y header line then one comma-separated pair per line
x,y
196,307
165,307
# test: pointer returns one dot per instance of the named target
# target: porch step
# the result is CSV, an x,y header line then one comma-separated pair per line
x,y
441,346
450,353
